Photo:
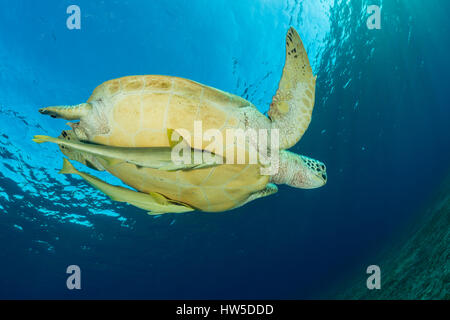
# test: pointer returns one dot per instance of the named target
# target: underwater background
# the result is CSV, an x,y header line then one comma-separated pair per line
x,y
380,123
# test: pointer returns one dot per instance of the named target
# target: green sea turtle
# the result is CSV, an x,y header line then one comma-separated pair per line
x,y
124,129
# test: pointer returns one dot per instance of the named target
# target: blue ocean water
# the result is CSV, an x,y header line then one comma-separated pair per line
x,y
380,124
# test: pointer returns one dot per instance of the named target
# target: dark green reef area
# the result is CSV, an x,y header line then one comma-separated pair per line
x,y
417,267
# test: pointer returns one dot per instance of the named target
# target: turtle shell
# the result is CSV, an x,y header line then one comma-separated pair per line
x,y
139,110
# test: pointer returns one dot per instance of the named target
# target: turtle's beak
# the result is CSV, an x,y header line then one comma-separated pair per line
x,y
319,180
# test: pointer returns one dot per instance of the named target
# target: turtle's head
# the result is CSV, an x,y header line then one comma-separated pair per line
x,y
315,173
300,171
84,158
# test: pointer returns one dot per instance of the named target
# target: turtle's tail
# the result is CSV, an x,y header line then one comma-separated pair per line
x,y
68,168
75,112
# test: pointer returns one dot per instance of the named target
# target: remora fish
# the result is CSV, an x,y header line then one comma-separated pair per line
x,y
151,157
153,202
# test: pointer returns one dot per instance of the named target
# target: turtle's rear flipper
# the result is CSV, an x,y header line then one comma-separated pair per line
x,y
75,112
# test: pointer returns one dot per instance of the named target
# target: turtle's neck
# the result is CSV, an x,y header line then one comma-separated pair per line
x,y
287,168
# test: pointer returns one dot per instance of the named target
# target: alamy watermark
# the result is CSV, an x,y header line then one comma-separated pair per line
x,y
374,21
74,280
239,146
374,280
74,20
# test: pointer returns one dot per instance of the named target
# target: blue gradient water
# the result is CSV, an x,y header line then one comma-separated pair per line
x,y
380,124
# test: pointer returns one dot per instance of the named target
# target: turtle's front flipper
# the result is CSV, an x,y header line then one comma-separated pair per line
x,y
269,190
154,202
292,105
75,112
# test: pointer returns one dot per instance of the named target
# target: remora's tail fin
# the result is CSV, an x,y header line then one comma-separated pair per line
x,y
42,139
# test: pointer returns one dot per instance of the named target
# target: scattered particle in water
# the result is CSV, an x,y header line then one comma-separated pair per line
x,y
18,227
323,131
173,221
348,82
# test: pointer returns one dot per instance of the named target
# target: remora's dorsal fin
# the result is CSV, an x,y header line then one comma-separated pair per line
x,y
75,112
292,105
